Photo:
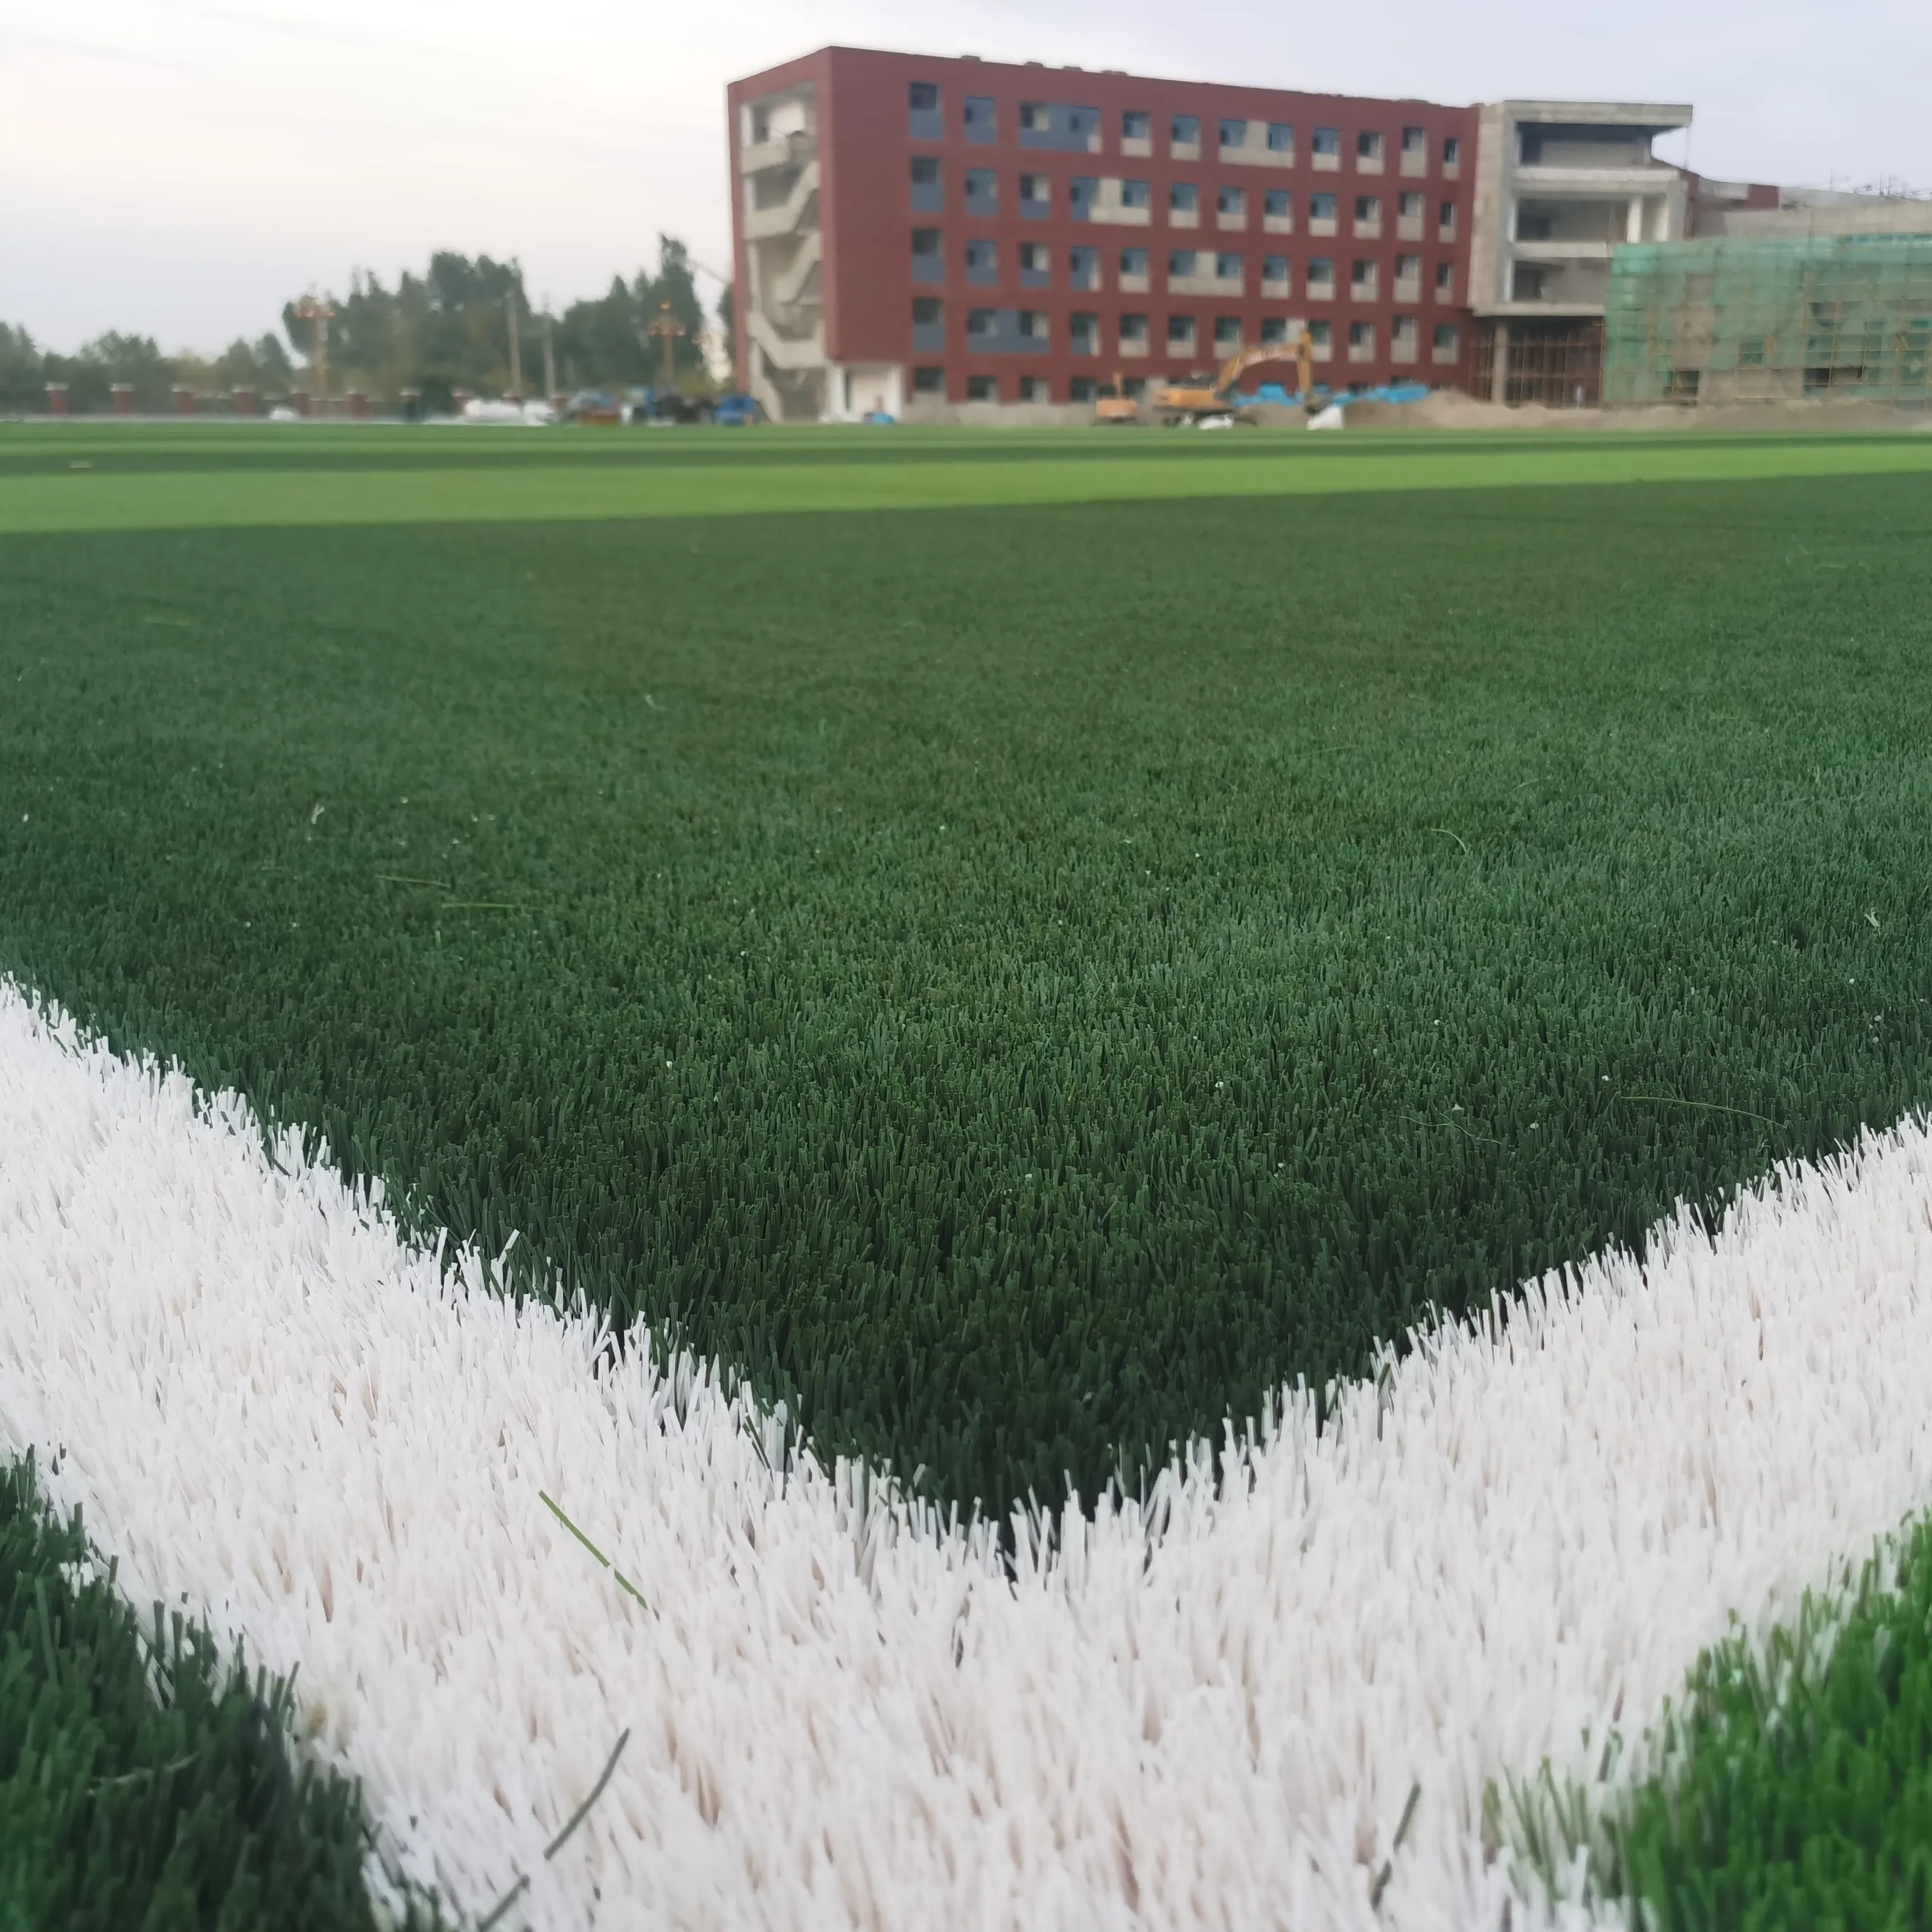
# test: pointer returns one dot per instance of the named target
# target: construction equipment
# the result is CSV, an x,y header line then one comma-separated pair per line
x,y
1194,402
1114,405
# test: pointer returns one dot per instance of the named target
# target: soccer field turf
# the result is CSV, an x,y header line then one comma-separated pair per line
x,y
1024,948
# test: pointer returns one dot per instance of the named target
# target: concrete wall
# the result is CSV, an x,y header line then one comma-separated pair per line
x,y
1887,215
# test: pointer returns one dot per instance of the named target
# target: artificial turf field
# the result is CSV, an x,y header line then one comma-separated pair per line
x,y
1024,946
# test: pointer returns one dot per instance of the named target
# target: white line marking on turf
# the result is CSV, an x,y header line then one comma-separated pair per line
x,y
275,1411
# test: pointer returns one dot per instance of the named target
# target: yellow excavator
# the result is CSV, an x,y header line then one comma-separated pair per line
x,y
1190,402
1114,405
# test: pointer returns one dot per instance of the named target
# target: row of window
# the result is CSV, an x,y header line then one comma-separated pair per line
x,y
1087,193
1084,268
983,386
1060,125
1027,328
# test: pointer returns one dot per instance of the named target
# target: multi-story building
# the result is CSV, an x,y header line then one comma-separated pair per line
x,y
909,228
1560,184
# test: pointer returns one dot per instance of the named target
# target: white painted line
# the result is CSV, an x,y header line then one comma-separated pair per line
x,y
275,1412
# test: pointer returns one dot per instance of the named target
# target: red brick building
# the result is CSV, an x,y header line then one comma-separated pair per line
x,y
908,227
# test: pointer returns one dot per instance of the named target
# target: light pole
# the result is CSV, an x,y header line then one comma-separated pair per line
x,y
666,329
317,309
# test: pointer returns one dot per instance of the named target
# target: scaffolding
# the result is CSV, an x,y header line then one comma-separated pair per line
x,y
1842,318
1558,362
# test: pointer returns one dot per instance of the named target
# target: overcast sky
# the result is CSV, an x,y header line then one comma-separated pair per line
x,y
181,167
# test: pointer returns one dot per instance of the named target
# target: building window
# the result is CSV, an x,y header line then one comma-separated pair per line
x,y
1136,124
1135,194
1186,132
982,119
1035,389
1415,141
982,388
1278,205
1368,214
981,324
1234,134
1447,341
1034,326
1402,339
982,263
1328,141
1445,280
1183,198
1321,276
1134,262
1322,339
928,323
1361,341
1083,269
1445,220
1408,269
924,96
1034,190
1452,152
1231,201
1227,267
1322,209
926,193
1036,116
1134,329
928,264
924,121
1281,137
1227,333
1181,264
1274,329
1035,265
1082,389
1181,331
1274,273
928,381
1081,194
1365,280
1369,149
1083,333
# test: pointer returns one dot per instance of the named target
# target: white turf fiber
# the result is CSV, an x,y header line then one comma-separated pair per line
x,y
1209,1713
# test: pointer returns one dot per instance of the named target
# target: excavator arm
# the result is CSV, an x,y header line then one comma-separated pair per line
x,y
1298,345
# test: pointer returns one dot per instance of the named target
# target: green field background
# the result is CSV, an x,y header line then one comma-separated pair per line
x,y
1020,983
87,476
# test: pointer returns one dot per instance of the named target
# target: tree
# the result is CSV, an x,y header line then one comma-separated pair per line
x,y
23,374
728,325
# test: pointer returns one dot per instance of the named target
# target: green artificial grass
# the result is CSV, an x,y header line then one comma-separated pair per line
x,y
145,1787
94,478
1022,983
1796,1790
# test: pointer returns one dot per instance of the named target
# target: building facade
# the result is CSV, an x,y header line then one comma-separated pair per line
x,y
1775,318
964,231
1560,186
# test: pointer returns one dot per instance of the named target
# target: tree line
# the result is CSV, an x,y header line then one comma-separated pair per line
x,y
444,331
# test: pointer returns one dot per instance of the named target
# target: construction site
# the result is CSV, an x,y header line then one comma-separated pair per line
x,y
964,242
1776,319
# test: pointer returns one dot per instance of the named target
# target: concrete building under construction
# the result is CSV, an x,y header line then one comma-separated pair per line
x,y
1781,317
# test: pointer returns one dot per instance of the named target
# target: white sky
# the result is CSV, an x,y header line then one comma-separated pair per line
x,y
180,167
